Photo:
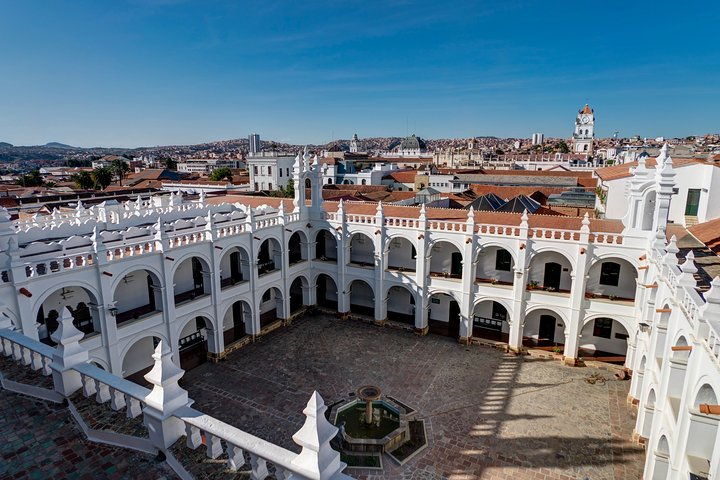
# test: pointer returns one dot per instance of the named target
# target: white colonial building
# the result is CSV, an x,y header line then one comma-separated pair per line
x,y
584,133
202,278
270,170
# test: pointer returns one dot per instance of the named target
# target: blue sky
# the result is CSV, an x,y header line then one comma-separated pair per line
x,y
157,72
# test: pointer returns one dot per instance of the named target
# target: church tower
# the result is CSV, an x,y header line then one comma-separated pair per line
x,y
355,144
584,131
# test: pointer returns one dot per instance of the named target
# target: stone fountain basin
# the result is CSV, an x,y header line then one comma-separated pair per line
x,y
388,442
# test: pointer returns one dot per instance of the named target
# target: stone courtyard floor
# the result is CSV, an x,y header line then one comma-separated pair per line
x,y
488,414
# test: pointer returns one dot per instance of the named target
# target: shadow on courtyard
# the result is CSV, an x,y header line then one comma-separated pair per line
x,y
483,410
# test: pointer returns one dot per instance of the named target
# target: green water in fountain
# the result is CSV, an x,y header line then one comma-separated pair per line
x,y
355,426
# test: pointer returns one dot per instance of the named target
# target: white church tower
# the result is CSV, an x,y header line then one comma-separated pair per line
x,y
355,144
584,131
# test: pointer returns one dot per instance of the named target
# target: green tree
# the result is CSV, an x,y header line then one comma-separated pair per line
x,y
32,179
169,163
289,190
102,177
220,174
562,147
119,168
83,180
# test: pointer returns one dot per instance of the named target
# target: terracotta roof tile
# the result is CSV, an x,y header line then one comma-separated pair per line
x,y
615,172
708,233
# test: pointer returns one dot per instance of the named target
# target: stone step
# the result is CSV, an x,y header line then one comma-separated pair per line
x,y
690,220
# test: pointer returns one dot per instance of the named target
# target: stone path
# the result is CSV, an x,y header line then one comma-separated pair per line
x,y
488,415
41,441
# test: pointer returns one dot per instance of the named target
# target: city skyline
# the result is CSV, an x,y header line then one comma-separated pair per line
x,y
180,72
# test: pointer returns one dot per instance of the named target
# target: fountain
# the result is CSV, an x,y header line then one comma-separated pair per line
x,y
371,423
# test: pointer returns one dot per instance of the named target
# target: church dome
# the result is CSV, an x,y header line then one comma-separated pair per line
x,y
412,143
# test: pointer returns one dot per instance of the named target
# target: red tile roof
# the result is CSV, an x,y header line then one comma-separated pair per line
x,y
615,172
708,233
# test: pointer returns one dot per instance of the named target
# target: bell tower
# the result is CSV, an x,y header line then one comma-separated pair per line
x,y
584,131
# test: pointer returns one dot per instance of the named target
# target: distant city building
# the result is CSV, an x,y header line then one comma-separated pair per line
x,y
584,131
412,146
538,138
254,140
355,144
205,166
270,170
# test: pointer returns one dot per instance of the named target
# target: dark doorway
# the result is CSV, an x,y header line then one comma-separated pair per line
x,y
193,347
552,275
151,293
546,331
454,319
235,272
198,279
296,296
456,264
237,331
693,201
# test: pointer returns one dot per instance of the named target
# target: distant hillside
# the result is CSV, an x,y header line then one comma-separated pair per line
x,y
58,145
6,145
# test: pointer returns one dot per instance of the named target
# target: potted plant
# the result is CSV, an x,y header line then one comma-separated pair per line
x,y
446,274
532,284
557,350
494,281
612,297
550,289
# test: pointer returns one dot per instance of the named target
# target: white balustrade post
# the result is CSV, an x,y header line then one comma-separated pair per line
x,y
164,399
68,354
317,460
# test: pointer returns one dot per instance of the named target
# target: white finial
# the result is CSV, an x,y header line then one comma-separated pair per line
x,y
69,352
317,458
4,215
341,205
166,395
689,265
379,209
524,217
471,213
423,210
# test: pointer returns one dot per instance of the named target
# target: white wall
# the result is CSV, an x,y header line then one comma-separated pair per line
x,y
183,278
537,269
486,266
362,249
626,283
400,254
361,294
611,345
139,356
134,293
399,301
441,257
440,311
616,203
532,325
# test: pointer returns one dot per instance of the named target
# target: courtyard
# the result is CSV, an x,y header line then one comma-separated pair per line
x,y
487,414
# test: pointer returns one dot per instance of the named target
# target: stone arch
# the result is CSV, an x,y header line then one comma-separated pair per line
x,y
191,278
82,303
362,297
705,394
269,256
234,266
443,315
136,359
401,254
326,245
491,319
445,259
605,336
647,217
299,293
648,414
99,362
272,306
495,264
195,338
297,247
237,322
703,430
137,294
326,291
401,303
680,352
612,276
660,460
362,249
551,270
544,328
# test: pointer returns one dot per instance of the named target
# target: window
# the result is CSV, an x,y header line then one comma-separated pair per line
x,y
499,312
503,260
603,328
280,172
269,170
255,170
610,274
329,181
270,186
266,296
287,171
257,187
363,181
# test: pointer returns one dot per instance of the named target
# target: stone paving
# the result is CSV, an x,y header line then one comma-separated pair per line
x,y
488,414
41,440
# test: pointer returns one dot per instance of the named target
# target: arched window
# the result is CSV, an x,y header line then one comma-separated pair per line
x,y
329,181
363,182
610,274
